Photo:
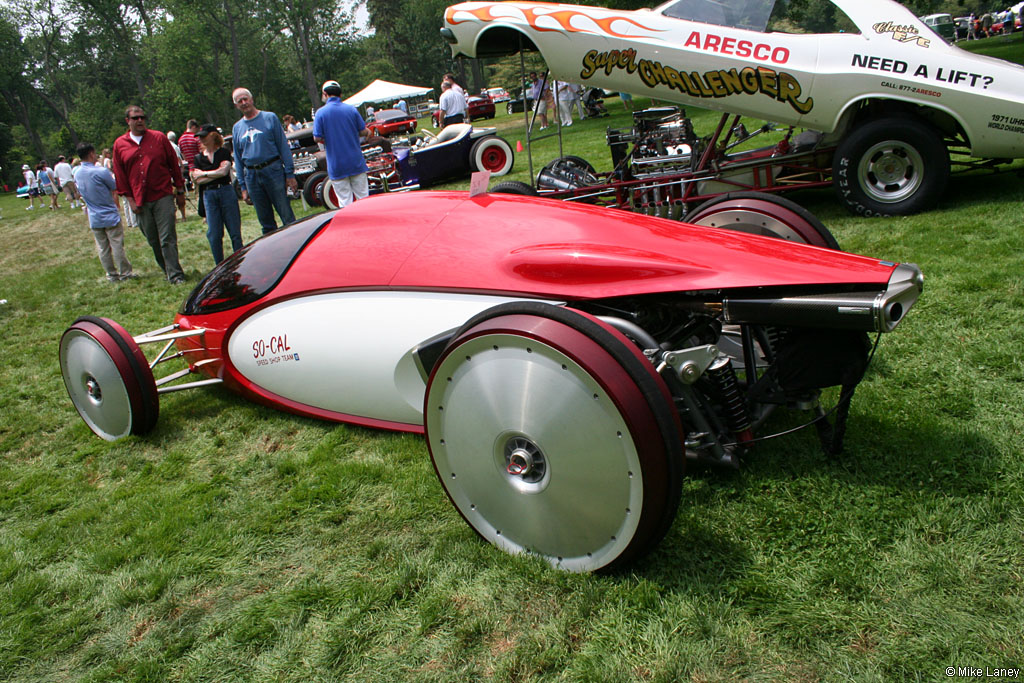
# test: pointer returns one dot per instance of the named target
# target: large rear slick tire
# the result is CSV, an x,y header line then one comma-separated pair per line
x,y
108,378
891,166
553,435
765,214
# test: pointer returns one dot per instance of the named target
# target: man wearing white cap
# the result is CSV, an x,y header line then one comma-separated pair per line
x,y
32,184
340,128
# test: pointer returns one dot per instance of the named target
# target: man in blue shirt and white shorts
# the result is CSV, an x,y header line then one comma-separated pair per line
x,y
340,128
263,162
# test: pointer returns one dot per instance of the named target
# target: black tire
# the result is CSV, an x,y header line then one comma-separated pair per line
x,y
891,166
514,187
491,153
763,214
108,378
587,472
309,188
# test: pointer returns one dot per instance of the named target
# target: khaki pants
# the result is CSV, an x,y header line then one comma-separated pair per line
x,y
110,247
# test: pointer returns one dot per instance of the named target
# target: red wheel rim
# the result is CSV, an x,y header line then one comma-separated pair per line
x,y
493,158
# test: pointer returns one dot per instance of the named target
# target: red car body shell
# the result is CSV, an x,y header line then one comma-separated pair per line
x,y
521,246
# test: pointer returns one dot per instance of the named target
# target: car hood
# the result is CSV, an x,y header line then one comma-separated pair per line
x,y
541,247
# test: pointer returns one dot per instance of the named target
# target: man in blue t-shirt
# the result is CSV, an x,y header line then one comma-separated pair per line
x,y
263,162
340,128
98,189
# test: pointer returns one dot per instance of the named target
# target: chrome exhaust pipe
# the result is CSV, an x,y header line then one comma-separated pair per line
x,y
867,311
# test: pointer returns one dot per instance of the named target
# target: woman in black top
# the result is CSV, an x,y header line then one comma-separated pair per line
x,y
212,174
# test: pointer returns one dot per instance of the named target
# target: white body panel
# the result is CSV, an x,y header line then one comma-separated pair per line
x,y
800,79
349,352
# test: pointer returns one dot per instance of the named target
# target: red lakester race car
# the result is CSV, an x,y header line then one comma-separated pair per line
x,y
564,361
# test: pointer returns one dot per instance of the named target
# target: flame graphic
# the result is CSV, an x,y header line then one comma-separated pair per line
x,y
534,12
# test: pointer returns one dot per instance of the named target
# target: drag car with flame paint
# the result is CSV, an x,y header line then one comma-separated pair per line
x,y
893,100
564,361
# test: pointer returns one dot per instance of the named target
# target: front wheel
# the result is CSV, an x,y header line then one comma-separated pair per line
x,y
492,154
553,435
891,166
763,214
108,378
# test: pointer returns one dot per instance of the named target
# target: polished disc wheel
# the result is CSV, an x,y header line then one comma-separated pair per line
x,y
546,443
764,214
108,379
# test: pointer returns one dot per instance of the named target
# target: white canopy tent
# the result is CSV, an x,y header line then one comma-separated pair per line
x,y
385,91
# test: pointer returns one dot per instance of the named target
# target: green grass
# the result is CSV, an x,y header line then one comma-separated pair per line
x,y
240,543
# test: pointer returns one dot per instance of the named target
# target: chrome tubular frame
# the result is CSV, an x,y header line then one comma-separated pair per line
x,y
170,334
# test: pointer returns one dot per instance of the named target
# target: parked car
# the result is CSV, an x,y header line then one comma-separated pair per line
x,y
942,24
391,122
497,95
563,361
888,96
476,108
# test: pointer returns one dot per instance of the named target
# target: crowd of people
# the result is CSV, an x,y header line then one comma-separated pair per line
x,y
144,180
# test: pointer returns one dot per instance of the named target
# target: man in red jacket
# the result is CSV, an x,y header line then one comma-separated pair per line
x,y
148,175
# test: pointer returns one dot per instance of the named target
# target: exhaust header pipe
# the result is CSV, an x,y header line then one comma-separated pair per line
x,y
868,311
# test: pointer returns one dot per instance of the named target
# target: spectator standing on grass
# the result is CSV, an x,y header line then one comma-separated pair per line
x,y
189,144
47,184
98,189
400,104
171,138
263,162
66,180
148,175
566,96
986,24
213,178
627,101
32,184
451,104
540,93
340,129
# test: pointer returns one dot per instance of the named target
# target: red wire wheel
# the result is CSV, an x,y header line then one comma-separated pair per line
x,y
553,435
108,378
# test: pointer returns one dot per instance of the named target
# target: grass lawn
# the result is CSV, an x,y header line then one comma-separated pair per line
x,y
239,543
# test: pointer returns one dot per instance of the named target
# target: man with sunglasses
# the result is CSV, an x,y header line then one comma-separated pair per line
x,y
148,175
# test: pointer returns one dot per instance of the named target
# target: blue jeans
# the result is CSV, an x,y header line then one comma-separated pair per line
x,y
267,191
222,212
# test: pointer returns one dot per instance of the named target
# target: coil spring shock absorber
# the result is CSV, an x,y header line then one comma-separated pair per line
x,y
723,376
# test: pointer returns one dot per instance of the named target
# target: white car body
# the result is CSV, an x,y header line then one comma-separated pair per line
x,y
819,81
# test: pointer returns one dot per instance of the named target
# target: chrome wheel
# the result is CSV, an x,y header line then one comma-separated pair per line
x,y
890,171
545,444
110,386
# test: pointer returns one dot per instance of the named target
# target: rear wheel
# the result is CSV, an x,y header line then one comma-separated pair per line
x,y
514,187
108,378
763,214
891,166
311,187
492,154
553,435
